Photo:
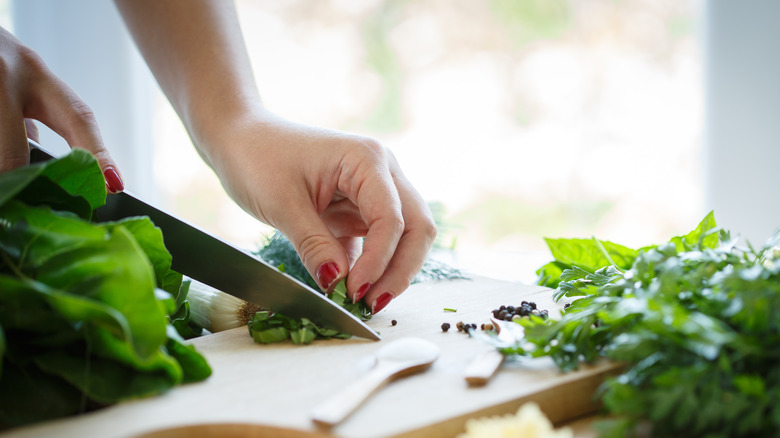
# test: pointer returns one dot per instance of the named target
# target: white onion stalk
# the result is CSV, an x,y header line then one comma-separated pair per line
x,y
216,311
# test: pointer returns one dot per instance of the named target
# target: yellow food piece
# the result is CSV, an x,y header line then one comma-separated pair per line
x,y
529,422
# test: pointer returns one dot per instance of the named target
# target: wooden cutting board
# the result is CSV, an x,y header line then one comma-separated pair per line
x,y
270,390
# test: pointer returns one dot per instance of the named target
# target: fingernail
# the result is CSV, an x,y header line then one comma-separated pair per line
x,y
326,274
361,292
382,302
113,182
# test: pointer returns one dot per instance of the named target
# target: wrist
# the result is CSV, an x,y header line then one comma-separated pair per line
x,y
219,129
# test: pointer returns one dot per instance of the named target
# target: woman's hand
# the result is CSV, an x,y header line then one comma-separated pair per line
x,y
325,191
29,90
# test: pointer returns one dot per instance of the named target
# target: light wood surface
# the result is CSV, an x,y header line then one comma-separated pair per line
x,y
270,390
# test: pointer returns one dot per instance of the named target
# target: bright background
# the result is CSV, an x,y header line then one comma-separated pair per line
x,y
516,119
520,119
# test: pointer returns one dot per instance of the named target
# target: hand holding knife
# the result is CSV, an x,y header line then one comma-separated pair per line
x,y
223,266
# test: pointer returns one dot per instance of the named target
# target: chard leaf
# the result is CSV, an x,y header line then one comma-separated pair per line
x,y
33,235
29,395
83,322
102,271
104,380
150,239
77,173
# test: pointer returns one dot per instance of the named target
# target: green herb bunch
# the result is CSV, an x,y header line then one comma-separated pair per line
x,y
85,308
696,321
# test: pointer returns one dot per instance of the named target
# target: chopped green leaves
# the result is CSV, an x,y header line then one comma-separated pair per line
x,y
269,328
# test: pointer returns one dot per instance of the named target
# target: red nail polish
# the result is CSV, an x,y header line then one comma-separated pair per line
x,y
113,182
382,302
326,274
361,292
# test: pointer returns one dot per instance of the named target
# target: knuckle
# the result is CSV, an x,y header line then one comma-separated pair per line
x,y
82,114
311,247
372,147
397,224
31,60
430,231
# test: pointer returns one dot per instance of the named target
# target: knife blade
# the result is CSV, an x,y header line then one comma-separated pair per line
x,y
212,261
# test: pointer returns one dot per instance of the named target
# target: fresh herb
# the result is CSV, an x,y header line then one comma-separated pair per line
x,y
273,327
449,309
277,250
269,327
696,322
84,307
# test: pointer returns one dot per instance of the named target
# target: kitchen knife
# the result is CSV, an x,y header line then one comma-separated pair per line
x,y
211,261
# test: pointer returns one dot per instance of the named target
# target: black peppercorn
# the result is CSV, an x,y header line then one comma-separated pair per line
x,y
445,326
393,323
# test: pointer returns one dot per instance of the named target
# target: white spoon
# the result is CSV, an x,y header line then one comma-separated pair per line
x,y
398,358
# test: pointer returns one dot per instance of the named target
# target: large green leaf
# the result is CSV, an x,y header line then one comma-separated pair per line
x,y
105,380
32,235
28,395
114,271
84,308
77,173
150,239
591,253
80,175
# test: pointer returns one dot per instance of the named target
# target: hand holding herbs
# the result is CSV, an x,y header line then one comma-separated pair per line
x,y
696,321
86,309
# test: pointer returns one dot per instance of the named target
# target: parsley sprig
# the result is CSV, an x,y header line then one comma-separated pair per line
x,y
696,321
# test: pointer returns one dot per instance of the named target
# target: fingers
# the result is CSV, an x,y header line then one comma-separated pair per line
x,y
399,228
372,189
411,251
32,130
323,255
29,90
56,105
14,151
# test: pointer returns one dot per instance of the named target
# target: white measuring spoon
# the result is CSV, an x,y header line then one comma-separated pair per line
x,y
398,358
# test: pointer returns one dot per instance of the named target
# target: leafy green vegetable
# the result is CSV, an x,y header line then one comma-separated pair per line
x,y
268,327
84,307
277,250
696,323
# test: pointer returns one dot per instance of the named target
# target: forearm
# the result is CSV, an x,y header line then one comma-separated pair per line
x,y
196,52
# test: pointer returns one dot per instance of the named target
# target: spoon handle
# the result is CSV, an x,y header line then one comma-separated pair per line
x,y
336,408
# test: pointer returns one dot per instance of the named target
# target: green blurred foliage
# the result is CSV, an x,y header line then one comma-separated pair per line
x,y
528,20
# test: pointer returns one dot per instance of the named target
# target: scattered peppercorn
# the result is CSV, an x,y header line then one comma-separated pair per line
x,y
526,308
393,323
459,325
445,327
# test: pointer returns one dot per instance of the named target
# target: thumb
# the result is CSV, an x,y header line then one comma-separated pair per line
x,y
325,258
